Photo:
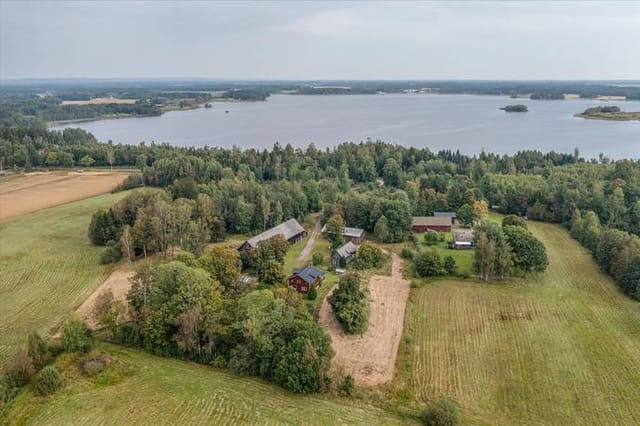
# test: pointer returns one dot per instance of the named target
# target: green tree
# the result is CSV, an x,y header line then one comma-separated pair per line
x,y
513,220
38,350
529,253
441,413
75,335
86,161
224,264
350,304
271,273
334,231
431,237
392,173
381,230
466,215
48,380
369,256
450,265
428,263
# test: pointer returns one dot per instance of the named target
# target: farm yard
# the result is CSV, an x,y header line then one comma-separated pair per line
x,y
48,268
563,345
370,358
36,191
155,390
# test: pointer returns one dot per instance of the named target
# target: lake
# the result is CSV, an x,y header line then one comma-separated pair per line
x,y
467,123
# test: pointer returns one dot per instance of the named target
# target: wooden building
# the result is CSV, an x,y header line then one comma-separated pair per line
x,y
290,230
306,278
425,223
450,215
462,239
354,235
345,254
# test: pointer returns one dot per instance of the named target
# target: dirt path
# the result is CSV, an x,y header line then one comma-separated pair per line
x,y
371,358
304,254
118,282
36,191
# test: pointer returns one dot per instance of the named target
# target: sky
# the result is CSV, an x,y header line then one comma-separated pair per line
x,y
320,40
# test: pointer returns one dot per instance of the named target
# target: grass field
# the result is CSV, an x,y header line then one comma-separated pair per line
x,y
559,348
48,268
144,389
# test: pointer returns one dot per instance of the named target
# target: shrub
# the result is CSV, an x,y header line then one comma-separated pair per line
x,y
48,380
350,304
450,265
406,253
431,237
348,386
312,294
369,256
317,259
75,336
513,220
20,371
38,350
130,182
441,413
112,253
428,263
91,365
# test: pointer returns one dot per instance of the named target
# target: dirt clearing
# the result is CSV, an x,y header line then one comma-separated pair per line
x,y
118,282
37,191
371,358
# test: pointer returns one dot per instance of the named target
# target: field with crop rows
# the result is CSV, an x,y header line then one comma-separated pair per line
x,y
145,389
48,268
559,346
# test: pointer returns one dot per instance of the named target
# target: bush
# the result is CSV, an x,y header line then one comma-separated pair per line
x,y
369,256
348,386
112,253
75,336
312,294
91,365
450,265
513,220
48,380
317,259
130,182
431,237
350,304
406,253
441,413
19,372
38,350
428,263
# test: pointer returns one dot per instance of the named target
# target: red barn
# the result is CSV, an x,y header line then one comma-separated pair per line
x,y
425,223
303,279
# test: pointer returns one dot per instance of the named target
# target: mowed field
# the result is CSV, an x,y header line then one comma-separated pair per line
x,y
48,267
150,391
32,192
560,348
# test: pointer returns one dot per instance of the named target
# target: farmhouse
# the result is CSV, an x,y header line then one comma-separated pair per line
x,y
304,279
450,215
425,223
463,239
354,235
345,254
290,230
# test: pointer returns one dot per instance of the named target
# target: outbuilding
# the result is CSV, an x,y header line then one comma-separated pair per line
x,y
290,230
345,254
450,215
426,223
463,239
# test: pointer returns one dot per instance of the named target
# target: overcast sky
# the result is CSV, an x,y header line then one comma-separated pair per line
x,y
331,40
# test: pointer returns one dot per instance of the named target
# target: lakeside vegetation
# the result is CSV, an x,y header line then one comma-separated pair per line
x,y
612,113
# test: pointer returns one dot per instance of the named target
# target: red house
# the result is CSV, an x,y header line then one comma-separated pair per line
x,y
303,279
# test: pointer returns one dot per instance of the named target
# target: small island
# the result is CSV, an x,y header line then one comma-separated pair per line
x,y
515,108
609,113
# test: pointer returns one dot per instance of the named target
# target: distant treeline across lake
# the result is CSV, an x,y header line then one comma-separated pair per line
x,y
469,123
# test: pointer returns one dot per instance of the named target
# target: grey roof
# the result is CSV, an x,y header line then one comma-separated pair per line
x,y
444,214
430,221
288,229
309,274
353,232
465,236
347,250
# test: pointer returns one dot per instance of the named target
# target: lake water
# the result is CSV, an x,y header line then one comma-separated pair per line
x,y
456,122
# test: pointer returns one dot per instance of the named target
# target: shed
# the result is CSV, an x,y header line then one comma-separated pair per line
x,y
463,239
450,215
425,223
345,254
290,230
355,235
304,279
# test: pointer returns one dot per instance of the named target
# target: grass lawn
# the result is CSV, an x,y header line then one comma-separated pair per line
x,y
561,347
138,388
48,268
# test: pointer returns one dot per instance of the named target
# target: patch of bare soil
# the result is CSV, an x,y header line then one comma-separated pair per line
x,y
371,358
118,282
37,191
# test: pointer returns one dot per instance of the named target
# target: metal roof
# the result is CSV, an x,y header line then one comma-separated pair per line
x,y
347,250
353,232
445,214
288,229
309,274
465,236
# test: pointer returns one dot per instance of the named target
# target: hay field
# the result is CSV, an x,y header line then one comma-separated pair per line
x,y
557,348
148,390
48,268
36,191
